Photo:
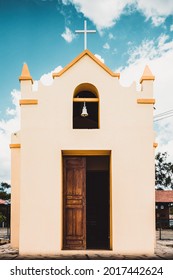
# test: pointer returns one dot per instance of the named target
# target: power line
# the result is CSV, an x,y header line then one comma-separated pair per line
x,y
164,113
163,118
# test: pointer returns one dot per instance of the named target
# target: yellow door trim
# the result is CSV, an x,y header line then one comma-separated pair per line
x,y
94,153
86,152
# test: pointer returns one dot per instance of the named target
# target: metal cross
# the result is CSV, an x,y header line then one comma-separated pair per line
x,y
85,31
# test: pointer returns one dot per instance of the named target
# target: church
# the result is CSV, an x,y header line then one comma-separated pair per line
x,y
82,164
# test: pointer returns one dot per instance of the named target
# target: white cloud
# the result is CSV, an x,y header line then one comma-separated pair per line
x,y
106,46
150,49
165,137
129,43
6,128
162,41
166,127
115,51
105,13
68,35
159,57
47,79
157,10
111,36
171,27
100,58
10,112
167,148
158,20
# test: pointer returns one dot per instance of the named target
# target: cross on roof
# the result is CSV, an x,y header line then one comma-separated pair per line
x,y
85,31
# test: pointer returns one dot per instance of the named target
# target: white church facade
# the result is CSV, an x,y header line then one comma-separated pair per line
x,y
83,163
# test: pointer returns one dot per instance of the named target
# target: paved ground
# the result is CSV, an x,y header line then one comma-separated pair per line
x,y
164,251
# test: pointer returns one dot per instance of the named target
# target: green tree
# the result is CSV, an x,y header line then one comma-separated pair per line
x,y
163,171
2,218
4,191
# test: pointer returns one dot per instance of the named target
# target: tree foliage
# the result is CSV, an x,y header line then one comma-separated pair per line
x,y
163,172
4,191
2,218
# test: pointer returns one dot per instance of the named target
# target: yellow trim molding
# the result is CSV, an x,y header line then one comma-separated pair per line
x,y
93,57
155,145
14,146
27,78
86,87
28,102
147,78
146,101
85,100
86,152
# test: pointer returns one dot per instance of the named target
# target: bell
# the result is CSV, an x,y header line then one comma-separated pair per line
x,y
84,111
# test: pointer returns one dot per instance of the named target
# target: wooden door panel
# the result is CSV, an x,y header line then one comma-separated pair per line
x,y
78,179
74,197
69,179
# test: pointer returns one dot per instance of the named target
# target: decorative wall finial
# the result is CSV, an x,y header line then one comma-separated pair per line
x,y
25,75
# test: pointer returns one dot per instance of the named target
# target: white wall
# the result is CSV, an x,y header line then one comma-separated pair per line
x,y
126,128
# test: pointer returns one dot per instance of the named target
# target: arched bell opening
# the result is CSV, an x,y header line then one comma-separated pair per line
x,y
85,107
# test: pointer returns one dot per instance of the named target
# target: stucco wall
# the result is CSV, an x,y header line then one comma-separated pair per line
x,y
15,192
126,128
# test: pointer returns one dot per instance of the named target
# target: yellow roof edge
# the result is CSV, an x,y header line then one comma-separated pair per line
x,y
26,78
93,57
147,78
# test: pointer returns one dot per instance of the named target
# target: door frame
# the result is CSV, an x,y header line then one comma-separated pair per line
x,y
76,153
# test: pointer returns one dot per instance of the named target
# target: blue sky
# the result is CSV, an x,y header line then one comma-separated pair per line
x,y
130,34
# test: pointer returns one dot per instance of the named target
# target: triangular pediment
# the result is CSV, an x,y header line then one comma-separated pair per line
x,y
91,56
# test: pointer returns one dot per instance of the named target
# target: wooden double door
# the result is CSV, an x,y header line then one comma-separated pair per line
x,y
85,206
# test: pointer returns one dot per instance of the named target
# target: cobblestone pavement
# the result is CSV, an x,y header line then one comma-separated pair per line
x,y
163,251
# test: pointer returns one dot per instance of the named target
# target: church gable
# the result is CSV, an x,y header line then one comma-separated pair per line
x,y
86,53
86,85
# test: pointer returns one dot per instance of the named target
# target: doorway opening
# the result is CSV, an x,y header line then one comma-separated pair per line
x,y
86,202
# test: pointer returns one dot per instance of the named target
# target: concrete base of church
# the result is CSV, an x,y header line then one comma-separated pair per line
x,y
163,250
